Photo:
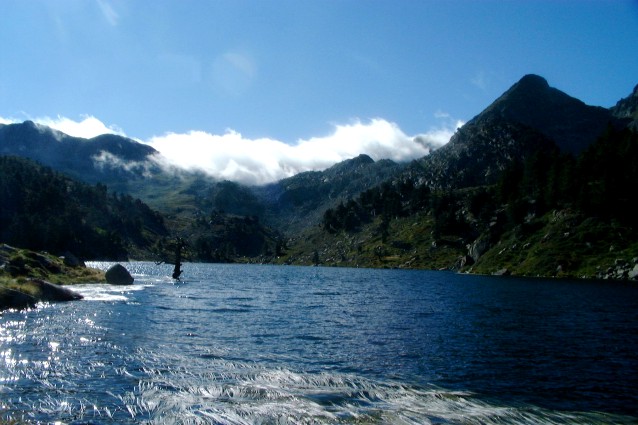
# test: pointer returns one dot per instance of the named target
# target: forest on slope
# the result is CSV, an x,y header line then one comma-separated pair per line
x,y
549,214
43,210
538,183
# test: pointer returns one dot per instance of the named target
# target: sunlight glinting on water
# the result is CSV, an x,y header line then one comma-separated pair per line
x,y
247,394
82,369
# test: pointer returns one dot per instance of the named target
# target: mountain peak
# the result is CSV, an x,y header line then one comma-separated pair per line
x,y
532,81
532,102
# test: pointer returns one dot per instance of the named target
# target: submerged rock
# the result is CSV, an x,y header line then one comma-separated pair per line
x,y
51,292
118,275
12,299
32,291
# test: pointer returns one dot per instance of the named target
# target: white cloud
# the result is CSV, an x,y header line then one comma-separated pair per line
x,y
258,161
231,156
87,128
108,160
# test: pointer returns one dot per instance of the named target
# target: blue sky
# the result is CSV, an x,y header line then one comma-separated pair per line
x,y
219,84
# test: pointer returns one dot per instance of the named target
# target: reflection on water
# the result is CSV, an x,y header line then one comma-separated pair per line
x,y
249,344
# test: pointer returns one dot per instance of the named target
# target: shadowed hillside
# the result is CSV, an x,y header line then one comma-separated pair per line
x,y
537,183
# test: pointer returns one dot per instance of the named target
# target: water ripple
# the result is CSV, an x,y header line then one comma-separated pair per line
x,y
260,345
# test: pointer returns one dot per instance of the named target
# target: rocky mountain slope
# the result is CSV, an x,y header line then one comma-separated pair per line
x,y
299,202
535,151
627,109
108,159
515,191
565,120
530,116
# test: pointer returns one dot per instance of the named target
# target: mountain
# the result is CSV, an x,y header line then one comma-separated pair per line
x,y
299,202
477,154
538,184
538,177
565,120
627,109
531,116
549,215
45,210
109,159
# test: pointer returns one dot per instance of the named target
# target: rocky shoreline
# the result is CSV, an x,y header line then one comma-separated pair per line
x,y
28,277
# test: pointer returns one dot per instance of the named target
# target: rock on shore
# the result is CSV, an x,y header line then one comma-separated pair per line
x,y
118,275
28,293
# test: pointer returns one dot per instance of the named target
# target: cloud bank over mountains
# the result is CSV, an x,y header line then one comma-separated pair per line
x,y
231,156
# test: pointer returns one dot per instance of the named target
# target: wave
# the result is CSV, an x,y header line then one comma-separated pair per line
x,y
237,393
281,396
106,292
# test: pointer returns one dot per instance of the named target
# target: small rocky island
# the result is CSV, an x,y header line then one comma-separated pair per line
x,y
28,277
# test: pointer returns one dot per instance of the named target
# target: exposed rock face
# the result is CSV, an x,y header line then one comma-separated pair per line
x,y
502,272
479,247
118,275
621,270
627,108
477,154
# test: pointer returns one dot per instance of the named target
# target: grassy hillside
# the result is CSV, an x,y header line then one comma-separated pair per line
x,y
409,243
564,243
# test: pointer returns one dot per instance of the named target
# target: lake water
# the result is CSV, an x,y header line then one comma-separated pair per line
x,y
236,344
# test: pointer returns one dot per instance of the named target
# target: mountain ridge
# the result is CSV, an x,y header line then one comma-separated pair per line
x,y
526,136
567,121
105,158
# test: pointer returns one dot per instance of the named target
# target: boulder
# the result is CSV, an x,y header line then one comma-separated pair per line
x,y
502,272
479,247
12,299
463,261
51,292
118,275
71,260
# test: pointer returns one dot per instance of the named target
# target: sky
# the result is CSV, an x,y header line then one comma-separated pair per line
x,y
254,91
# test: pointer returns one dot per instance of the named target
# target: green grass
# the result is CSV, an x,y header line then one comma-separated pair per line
x,y
21,265
409,244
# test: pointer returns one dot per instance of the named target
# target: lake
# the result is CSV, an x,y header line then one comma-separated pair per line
x,y
240,344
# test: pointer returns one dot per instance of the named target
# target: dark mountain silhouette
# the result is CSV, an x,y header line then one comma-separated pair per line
x,y
565,120
529,117
42,209
300,201
477,154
